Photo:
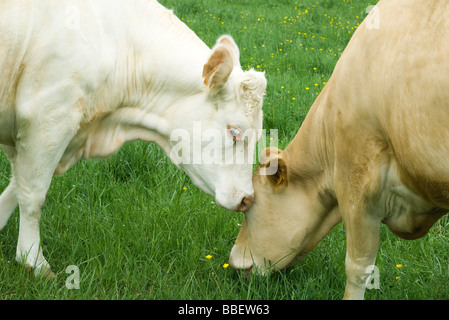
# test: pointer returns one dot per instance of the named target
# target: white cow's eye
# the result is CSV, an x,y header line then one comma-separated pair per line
x,y
234,133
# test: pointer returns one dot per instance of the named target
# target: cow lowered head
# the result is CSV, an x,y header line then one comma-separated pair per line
x,y
216,149
208,121
287,219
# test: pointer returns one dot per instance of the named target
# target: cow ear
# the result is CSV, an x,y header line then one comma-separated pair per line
x,y
278,180
230,44
274,168
217,70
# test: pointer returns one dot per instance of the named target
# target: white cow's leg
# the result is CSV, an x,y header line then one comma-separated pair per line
x,y
8,203
34,168
8,199
362,234
29,251
33,180
42,140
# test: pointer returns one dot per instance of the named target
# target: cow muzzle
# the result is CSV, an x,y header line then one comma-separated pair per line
x,y
246,203
239,202
240,258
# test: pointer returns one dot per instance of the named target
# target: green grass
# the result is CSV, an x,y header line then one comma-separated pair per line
x,y
138,229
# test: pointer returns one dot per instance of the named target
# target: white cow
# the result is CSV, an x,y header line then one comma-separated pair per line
x,y
80,78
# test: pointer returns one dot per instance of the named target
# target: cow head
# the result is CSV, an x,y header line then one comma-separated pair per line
x,y
216,149
289,217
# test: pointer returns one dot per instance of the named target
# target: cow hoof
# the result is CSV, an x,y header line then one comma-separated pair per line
x,y
43,273
49,275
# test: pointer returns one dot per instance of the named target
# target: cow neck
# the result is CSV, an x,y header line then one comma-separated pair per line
x,y
164,59
310,154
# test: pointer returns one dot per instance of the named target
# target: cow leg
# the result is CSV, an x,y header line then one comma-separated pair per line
x,y
359,163
8,203
35,165
362,234
42,138
8,199
33,172
31,192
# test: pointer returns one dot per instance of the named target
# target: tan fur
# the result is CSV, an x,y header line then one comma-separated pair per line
x,y
373,149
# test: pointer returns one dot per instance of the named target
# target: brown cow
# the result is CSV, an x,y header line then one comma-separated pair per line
x,y
373,149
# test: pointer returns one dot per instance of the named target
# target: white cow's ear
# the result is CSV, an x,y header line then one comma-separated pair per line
x,y
230,44
217,70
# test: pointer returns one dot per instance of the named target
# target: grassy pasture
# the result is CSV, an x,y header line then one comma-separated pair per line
x,y
138,229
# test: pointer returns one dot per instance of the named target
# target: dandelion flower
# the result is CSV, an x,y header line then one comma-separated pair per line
x,y
399,266
226,265
397,278
208,257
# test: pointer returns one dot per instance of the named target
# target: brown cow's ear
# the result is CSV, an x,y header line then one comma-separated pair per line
x,y
279,180
217,70
274,168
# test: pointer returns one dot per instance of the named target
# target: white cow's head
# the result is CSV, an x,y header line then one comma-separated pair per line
x,y
214,144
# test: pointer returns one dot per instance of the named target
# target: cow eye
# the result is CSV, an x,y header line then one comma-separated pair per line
x,y
234,133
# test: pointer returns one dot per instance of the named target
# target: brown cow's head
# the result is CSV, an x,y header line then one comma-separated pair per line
x,y
289,217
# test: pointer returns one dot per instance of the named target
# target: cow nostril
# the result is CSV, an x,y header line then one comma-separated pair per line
x,y
246,203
